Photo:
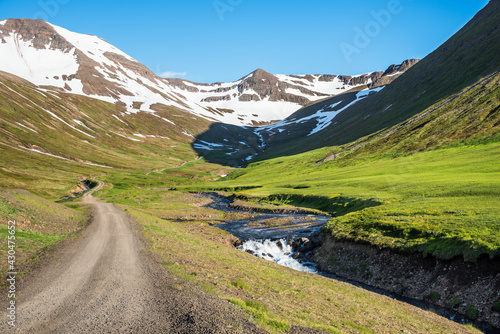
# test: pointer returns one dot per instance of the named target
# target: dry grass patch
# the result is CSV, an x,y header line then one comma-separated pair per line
x,y
276,296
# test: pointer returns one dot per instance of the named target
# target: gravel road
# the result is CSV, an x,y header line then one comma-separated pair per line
x,y
106,281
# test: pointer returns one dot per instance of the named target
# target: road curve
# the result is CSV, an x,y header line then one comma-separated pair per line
x,y
105,282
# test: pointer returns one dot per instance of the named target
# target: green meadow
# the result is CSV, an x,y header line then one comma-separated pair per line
x,y
179,228
430,184
444,202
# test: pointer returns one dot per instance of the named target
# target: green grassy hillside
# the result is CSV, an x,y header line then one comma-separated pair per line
x,y
435,176
178,227
39,224
442,202
48,139
470,55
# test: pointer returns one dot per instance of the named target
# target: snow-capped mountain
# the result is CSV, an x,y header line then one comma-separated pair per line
x,y
48,55
261,98
237,145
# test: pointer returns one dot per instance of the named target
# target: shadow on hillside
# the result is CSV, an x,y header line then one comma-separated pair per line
x,y
289,203
437,80
235,146
334,206
228,145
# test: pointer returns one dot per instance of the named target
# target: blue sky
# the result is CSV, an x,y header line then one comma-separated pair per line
x,y
223,40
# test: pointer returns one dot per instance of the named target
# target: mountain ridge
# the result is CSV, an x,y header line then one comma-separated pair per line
x,y
49,55
464,59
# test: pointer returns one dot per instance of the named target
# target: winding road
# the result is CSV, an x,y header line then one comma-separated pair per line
x,y
106,281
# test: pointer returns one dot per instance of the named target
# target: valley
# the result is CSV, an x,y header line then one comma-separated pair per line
x,y
388,180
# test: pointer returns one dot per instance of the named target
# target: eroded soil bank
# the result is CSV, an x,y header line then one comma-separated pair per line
x,y
471,289
455,287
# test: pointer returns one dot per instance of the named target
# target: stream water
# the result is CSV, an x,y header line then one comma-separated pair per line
x,y
279,251
270,236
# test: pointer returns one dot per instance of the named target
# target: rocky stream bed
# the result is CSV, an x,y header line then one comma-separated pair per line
x,y
461,291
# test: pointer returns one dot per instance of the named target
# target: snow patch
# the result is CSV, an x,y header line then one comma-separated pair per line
x,y
325,118
93,164
24,97
24,126
387,108
62,158
38,151
167,120
133,139
258,134
391,75
187,134
201,144
119,119
66,123
295,91
82,124
41,66
94,44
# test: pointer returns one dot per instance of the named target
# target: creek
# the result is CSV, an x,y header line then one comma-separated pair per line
x,y
271,236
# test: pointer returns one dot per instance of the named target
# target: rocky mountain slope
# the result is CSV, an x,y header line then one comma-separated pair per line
x,y
466,59
48,55
261,97
236,145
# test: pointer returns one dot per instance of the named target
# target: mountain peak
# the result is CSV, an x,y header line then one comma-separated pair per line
x,y
395,69
260,74
41,34
260,71
51,56
23,25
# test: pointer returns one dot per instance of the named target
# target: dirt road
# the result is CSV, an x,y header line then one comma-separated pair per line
x,y
106,282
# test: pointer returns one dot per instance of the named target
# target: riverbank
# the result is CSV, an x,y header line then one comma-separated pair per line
x,y
461,290
181,229
470,289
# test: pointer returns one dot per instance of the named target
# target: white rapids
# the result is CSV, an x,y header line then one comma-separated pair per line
x,y
277,251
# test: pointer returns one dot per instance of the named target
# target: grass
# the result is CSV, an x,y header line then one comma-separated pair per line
x,y
26,239
455,302
178,227
261,313
472,313
428,184
39,224
334,205
434,296
441,202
